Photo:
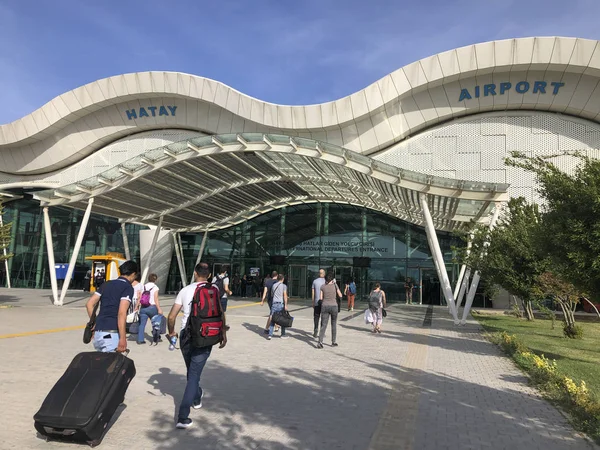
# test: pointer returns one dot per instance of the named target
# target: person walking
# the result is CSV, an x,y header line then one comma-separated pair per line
x,y
377,301
329,308
408,289
268,295
350,293
147,304
316,300
114,297
86,281
280,301
222,282
195,357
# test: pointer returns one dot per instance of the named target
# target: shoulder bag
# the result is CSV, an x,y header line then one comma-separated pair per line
x,y
88,332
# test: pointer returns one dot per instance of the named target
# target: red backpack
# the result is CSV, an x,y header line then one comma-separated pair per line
x,y
205,323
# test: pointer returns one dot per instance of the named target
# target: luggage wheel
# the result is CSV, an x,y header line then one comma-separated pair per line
x,y
94,443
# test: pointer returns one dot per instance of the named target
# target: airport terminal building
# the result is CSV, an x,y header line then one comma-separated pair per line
x,y
373,185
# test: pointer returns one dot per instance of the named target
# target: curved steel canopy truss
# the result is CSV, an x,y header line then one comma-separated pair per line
x,y
213,182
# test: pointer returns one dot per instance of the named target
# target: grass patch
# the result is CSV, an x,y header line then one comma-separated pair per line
x,y
558,366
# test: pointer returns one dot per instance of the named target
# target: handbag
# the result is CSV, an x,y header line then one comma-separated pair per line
x,y
88,332
133,317
383,312
282,318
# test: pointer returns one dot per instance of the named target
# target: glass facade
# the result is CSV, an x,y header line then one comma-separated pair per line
x,y
29,266
350,241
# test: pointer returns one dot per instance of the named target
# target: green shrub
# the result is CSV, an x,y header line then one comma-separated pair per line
x,y
572,331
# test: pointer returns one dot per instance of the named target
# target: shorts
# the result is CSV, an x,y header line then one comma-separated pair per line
x,y
224,303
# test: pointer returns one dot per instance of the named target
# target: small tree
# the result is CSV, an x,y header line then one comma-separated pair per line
x,y
571,228
4,236
567,296
510,258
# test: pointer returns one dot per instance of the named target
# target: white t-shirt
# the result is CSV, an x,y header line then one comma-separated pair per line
x,y
140,288
185,298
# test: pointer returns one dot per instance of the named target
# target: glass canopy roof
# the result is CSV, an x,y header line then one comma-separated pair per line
x,y
213,182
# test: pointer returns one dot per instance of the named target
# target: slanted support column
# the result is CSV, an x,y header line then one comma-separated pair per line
x,y
151,252
73,260
463,287
459,289
476,276
438,258
125,242
184,271
199,257
50,249
180,262
5,260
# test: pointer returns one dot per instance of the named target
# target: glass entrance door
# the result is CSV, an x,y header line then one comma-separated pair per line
x,y
431,288
342,275
297,282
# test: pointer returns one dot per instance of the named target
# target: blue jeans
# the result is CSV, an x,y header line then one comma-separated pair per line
x,y
105,342
195,359
276,308
145,313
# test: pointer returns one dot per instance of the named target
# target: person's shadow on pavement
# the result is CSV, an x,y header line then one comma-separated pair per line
x,y
170,384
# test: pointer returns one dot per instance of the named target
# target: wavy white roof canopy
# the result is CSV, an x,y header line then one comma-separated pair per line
x,y
213,182
77,123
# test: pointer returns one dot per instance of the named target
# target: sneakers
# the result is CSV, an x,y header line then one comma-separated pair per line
x,y
268,338
316,333
184,423
285,336
141,343
266,331
335,344
198,405
319,345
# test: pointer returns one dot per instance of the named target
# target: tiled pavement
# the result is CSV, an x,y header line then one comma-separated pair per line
x,y
416,386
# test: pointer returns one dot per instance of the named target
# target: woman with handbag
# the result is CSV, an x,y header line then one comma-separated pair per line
x,y
280,300
377,304
329,308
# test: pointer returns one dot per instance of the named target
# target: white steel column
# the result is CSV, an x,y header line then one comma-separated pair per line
x,y
183,269
125,242
463,288
179,259
476,276
199,258
73,261
438,258
50,249
151,252
459,281
461,276
5,260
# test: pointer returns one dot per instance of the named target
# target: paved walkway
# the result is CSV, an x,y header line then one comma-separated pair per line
x,y
423,384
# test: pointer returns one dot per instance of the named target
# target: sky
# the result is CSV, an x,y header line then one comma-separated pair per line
x,y
281,51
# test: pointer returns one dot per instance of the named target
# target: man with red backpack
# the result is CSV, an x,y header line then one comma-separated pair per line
x,y
202,326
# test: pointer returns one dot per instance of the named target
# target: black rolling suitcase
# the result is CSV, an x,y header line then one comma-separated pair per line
x,y
82,402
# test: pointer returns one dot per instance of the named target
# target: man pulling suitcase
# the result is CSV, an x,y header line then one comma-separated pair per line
x,y
82,402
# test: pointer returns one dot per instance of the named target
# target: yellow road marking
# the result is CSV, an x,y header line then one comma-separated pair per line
x,y
243,306
31,333
81,327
